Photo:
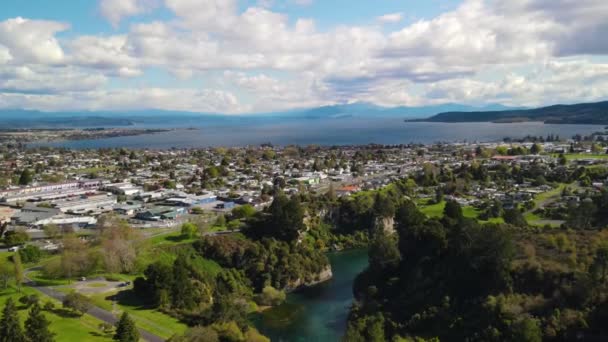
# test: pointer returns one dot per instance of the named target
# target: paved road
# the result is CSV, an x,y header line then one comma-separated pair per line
x,y
96,312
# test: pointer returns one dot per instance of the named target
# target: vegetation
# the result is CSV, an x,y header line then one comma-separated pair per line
x,y
126,330
452,279
582,113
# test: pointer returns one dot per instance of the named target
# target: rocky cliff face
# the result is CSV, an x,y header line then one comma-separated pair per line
x,y
386,223
323,276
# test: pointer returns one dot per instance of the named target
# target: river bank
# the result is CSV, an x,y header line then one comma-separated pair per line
x,y
317,313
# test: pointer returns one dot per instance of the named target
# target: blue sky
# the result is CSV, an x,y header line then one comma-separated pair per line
x,y
239,56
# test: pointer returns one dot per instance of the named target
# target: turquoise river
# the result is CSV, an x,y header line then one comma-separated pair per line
x,y
316,314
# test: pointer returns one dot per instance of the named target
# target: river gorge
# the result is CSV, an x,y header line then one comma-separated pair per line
x,y
317,313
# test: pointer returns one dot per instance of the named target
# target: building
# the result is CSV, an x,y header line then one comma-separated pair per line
x,y
125,188
50,191
85,204
160,214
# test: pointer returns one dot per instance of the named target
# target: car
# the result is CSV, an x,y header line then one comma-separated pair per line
x,y
13,249
83,279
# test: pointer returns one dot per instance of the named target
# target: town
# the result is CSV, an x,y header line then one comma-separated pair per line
x,y
95,227
154,189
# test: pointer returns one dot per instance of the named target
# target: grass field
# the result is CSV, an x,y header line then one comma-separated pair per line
x,y
66,327
575,156
145,317
436,211
540,200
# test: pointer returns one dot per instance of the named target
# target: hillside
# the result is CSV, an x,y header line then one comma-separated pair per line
x,y
582,113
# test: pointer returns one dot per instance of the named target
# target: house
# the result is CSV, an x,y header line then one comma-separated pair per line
x,y
347,190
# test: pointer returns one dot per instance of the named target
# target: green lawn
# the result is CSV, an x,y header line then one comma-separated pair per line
x,y
433,210
436,211
546,196
145,317
66,327
575,156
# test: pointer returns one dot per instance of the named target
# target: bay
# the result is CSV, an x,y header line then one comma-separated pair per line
x,y
319,313
352,131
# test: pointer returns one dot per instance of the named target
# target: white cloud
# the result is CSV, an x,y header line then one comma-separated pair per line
x,y
31,41
126,99
391,18
116,10
36,79
517,52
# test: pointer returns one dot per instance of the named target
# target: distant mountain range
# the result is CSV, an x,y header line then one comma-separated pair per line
x,y
582,113
18,118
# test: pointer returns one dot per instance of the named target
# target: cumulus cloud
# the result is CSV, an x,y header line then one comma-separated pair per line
x,y
116,10
518,52
31,41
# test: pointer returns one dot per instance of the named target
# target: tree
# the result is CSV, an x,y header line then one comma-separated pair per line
x,y
514,217
599,266
126,331
77,302
18,270
120,243
14,238
189,230
270,296
453,210
37,326
52,231
25,178
182,290
6,274
197,334
10,328
243,211
29,300
30,253
536,149
286,218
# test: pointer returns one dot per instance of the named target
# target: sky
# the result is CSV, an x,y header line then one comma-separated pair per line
x,y
246,56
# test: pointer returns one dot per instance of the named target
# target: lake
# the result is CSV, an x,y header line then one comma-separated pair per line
x,y
316,314
352,131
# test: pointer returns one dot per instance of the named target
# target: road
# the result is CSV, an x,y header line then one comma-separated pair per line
x,y
96,312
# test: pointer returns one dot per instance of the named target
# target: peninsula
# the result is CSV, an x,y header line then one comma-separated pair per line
x,y
582,113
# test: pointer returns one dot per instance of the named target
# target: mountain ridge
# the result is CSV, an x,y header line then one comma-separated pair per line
x,y
580,113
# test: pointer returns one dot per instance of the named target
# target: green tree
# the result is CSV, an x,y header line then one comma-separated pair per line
x,y
30,253
453,210
536,149
37,326
14,238
599,266
10,328
18,270
77,302
189,230
126,331
6,274
243,211
527,330
514,217
26,177
182,290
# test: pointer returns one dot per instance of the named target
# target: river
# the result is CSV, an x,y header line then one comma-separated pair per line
x,y
316,314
